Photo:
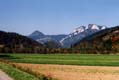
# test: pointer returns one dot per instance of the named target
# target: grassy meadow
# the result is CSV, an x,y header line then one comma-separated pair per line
x,y
65,59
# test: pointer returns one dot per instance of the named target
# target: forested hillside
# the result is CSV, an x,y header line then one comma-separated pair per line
x,y
105,41
15,43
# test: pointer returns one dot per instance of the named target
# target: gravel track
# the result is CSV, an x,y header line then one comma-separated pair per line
x,y
4,76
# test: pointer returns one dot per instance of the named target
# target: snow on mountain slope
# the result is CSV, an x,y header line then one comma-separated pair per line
x,y
67,40
79,33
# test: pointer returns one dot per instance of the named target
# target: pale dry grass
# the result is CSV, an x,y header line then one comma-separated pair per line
x,y
71,72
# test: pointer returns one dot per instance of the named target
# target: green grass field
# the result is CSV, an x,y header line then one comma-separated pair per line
x,y
65,59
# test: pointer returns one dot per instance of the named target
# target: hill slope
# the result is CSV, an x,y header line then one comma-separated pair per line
x,y
105,41
13,42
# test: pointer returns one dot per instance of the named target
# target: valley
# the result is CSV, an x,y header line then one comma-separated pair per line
x,y
59,39
91,54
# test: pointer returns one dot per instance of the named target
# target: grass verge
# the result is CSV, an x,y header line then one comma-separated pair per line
x,y
18,73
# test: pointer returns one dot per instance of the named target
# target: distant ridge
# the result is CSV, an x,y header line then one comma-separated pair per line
x,y
47,39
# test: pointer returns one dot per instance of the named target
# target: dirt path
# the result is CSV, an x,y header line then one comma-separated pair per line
x,y
4,76
70,72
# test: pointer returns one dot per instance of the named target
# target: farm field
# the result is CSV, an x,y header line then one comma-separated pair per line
x,y
65,59
68,66
72,72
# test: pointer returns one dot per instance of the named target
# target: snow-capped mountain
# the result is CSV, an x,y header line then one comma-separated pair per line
x,y
96,27
67,41
79,33
78,30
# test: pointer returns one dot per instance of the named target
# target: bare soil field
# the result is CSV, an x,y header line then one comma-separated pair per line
x,y
4,76
71,72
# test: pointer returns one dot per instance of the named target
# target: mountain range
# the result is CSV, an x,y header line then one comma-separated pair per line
x,y
66,41
91,39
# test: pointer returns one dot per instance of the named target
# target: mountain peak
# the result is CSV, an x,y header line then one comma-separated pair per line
x,y
80,29
96,27
93,26
84,28
36,35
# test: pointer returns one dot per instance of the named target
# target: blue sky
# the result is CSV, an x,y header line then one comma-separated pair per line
x,y
56,16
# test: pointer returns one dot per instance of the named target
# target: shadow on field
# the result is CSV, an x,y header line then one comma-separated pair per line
x,y
5,56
